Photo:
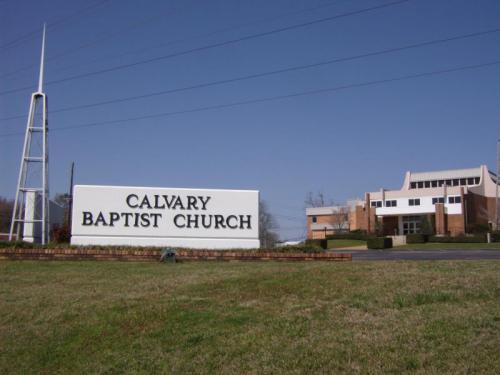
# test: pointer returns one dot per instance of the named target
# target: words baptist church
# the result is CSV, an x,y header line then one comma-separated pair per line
x,y
166,202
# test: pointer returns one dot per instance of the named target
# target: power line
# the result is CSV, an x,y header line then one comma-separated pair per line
x,y
269,73
84,45
309,9
210,46
291,218
26,36
102,37
294,209
272,98
52,24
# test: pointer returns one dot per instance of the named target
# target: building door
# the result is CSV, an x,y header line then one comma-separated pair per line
x,y
411,224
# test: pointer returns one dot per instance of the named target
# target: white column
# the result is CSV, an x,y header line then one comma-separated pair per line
x,y
31,230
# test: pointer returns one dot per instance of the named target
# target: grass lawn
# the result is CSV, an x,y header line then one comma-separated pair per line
x,y
263,317
336,244
450,246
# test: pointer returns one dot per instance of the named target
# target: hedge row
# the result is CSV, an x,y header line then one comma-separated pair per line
x,y
17,245
351,236
308,249
416,238
321,244
379,243
479,238
311,246
495,236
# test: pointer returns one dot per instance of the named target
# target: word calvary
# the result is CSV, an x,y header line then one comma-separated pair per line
x,y
164,202
172,202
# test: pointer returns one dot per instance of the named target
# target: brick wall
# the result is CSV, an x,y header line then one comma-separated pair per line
x,y
357,219
320,233
372,220
456,224
370,217
154,255
480,210
390,225
440,219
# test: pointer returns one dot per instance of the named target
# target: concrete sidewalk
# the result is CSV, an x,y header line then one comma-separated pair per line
x,y
361,247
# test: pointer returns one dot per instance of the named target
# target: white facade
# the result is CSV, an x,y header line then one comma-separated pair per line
x,y
145,216
446,202
421,191
425,207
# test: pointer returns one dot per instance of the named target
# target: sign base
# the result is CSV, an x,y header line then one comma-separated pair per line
x,y
191,243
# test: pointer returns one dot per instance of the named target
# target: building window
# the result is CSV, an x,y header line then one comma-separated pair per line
x,y
440,183
420,184
448,183
463,182
414,202
413,185
453,200
427,184
470,181
391,203
314,219
411,224
476,180
376,203
434,183
437,200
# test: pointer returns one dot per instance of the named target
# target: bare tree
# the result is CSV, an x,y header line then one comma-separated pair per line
x,y
62,199
267,225
317,200
6,207
484,214
339,220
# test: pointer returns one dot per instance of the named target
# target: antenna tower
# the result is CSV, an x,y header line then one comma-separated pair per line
x,y
31,208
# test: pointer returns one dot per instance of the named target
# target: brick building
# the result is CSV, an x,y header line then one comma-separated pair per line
x,y
326,221
450,202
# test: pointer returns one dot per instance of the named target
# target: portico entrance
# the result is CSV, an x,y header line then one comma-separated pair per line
x,y
411,224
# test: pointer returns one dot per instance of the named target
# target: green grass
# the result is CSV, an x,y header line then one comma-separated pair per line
x,y
450,246
336,244
263,317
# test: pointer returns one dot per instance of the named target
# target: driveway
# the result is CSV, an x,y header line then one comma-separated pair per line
x,y
422,254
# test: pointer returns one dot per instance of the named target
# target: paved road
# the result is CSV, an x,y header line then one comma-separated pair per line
x,y
422,254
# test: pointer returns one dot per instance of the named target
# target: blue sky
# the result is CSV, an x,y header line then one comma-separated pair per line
x,y
342,143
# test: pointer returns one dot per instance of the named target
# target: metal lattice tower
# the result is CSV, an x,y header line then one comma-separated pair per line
x,y
31,208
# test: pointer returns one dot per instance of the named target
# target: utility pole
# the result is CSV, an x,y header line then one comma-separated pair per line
x,y
32,194
496,187
70,196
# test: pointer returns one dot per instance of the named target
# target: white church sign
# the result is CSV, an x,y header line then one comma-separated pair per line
x,y
144,216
